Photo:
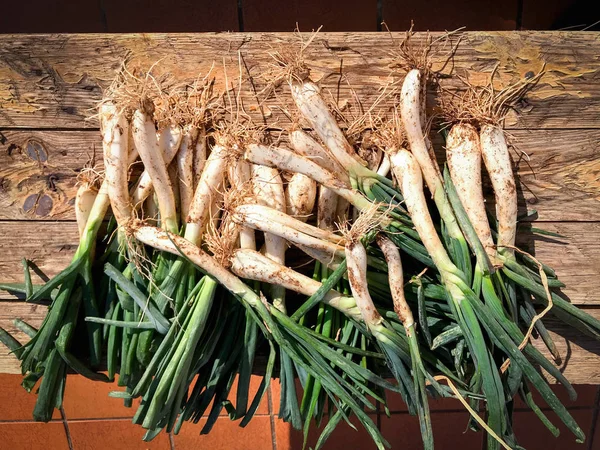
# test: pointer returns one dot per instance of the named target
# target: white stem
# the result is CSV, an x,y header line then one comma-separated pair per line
x,y
254,266
499,166
260,213
463,154
268,190
144,135
199,154
173,172
356,258
300,196
259,222
313,108
326,208
169,140
410,181
411,110
240,173
385,166
115,138
84,202
396,277
305,145
205,195
168,143
289,161
185,168
169,242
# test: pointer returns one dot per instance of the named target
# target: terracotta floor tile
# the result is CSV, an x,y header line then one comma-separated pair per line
x,y
395,403
532,434
86,399
227,435
276,393
342,438
255,381
402,431
586,396
113,435
15,402
33,436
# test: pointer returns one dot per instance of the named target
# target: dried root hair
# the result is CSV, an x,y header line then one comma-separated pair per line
x,y
134,88
222,240
410,55
193,104
484,104
91,177
369,219
136,252
289,63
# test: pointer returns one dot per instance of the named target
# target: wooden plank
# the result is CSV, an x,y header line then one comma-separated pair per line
x,y
581,355
38,172
52,81
32,314
51,244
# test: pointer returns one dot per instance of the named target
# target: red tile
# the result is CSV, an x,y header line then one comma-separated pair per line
x,y
395,403
440,15
33,436
342,438
532,434
449,431
113,435
15,402
227,435
86,399
167,16
586,397
255,381
276,394
338,15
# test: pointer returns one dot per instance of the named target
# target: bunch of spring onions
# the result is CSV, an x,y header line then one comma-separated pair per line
x,y
410,289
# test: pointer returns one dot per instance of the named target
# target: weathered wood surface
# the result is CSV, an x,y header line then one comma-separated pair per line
x,y
49,85
38,171
50,81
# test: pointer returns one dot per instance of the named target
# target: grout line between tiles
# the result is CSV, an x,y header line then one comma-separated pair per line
x,y
271,417
172,441
594,420
66,425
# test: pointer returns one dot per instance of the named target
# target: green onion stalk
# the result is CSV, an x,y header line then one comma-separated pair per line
x,y
473,315
320,359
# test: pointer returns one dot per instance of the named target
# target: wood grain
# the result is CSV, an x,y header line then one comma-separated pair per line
x,y
50,246
38,171
54,81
